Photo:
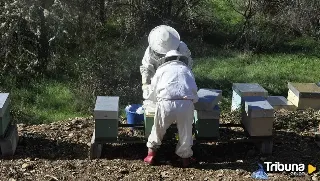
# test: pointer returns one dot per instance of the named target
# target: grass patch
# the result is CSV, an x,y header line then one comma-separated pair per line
x,y
45,102
273,72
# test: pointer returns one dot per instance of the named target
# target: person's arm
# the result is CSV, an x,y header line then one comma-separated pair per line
x,y
153,87
147,69
194,88
183,49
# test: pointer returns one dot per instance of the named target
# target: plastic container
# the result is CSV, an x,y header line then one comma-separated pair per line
x,y
135,114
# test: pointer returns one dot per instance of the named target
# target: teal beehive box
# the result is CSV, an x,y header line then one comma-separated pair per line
x,y
4,113
241,90
106,116
207,123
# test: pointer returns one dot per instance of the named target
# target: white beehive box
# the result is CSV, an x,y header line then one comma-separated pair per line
x,y
257,116
304,95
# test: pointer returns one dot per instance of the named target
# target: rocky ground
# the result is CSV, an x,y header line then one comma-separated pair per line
x,y
59,151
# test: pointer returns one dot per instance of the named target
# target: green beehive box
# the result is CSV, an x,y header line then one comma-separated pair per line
x,y
4,113
207,128
148,123
106,116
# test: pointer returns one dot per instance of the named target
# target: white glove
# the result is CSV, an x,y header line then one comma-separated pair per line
x,y
146,92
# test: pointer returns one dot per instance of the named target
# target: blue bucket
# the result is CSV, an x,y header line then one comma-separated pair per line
x,y
132,116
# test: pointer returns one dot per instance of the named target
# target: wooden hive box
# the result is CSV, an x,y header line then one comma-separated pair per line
x,y
106,116
207,123
304,95
257,116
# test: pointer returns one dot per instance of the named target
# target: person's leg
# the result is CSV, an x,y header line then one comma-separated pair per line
x,y
184,124
162,120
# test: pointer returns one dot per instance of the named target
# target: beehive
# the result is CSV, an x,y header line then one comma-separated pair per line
x,y
304,95
207,123
4,113
280,102
241,90
106,116
257,116
208,99
148,123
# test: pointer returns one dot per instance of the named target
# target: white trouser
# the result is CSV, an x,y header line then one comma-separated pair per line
x,y
166,113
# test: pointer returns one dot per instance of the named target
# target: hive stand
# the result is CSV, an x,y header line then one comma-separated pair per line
x,y
280,102
241,90
8,131
304,95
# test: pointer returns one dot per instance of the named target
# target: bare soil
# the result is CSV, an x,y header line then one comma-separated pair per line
x,y
59,151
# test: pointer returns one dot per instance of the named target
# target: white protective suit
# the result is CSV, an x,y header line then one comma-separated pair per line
x,y
174,89
151,62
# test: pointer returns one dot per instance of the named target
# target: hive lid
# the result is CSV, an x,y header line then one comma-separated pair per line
x,y
4,102
249,89
107,107
208,99
258,107
305,90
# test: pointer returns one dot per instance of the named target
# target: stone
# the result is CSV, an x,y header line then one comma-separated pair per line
x,y
208,99
280,102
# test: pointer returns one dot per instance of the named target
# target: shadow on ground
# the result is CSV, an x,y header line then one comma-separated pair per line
x,y
36,146
288,148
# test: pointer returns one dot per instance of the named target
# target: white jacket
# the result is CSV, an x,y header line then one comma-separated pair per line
x,y
173,80
150,64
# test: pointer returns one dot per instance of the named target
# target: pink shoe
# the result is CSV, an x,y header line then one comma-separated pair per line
x,y
149,159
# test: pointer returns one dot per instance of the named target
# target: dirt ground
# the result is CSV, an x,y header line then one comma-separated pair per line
x,y
59,151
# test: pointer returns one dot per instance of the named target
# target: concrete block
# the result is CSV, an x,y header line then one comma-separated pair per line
x,y
280,102
9,143
206,128
257,107
305,90
4,113
208,99
303,103
241,90
213,114
249,89
107,107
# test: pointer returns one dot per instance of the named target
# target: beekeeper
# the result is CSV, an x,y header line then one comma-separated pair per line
x,y
161,39
174,90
